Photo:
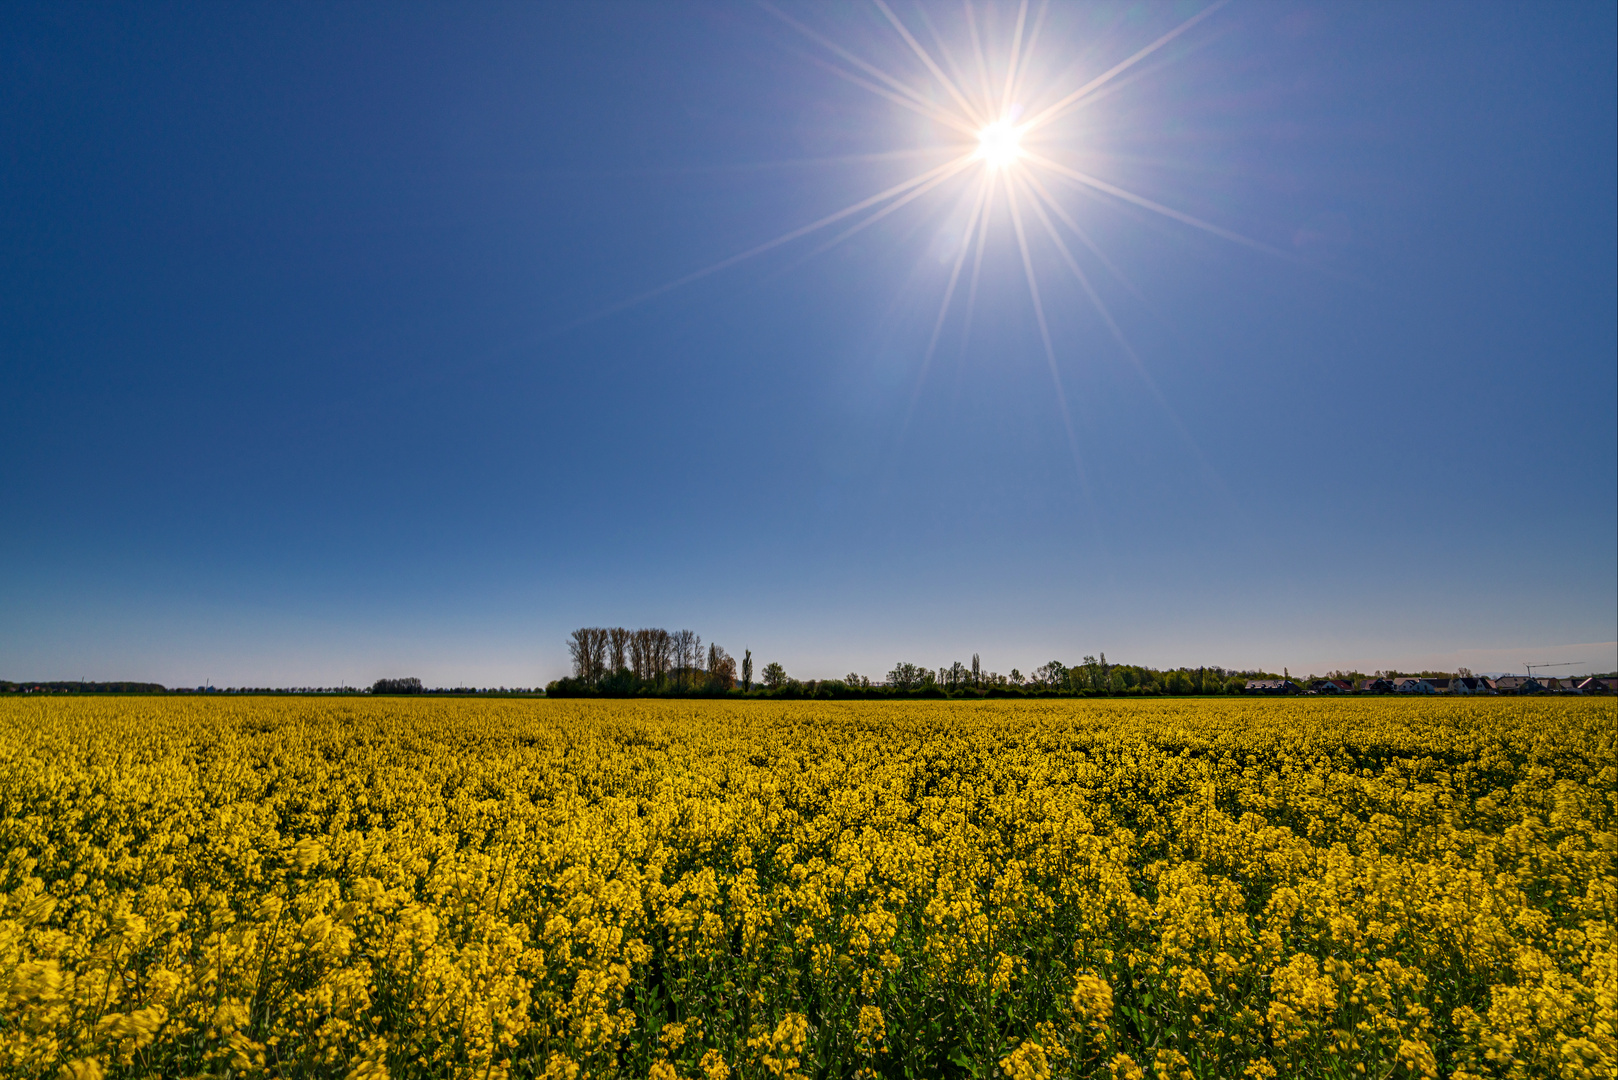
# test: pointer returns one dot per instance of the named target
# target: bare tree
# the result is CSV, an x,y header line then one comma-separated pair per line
x,y
662,652
648,654
650,651
617,648
578,648
588,648
641,649
687,647
598,653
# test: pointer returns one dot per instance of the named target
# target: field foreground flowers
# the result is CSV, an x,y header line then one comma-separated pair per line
x,y
676,889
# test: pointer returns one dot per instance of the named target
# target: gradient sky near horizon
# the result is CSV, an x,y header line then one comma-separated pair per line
x,y
302,384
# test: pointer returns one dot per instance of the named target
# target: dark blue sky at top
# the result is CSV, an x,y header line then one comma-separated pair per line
x,y
302,382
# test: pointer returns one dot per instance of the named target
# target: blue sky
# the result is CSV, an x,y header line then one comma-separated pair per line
x,y
318,368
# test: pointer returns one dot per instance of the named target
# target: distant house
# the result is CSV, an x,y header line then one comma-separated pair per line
x,y
1330,686
1469,685
1518,684
1410,684
1377,686
1271,686
1442,686
1593,685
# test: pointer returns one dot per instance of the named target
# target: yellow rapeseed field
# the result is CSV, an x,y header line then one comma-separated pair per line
x,y
676,889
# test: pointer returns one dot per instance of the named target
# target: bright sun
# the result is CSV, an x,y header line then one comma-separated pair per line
x,y
998,144
997,113
1013,175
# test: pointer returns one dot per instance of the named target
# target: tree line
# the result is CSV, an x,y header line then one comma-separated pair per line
x,y
615,662
75,686
1092,675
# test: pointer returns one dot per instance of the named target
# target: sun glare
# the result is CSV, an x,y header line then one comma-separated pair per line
x,y
999,144
1013,177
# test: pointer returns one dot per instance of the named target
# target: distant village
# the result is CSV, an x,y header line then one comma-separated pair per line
x,y
1437,684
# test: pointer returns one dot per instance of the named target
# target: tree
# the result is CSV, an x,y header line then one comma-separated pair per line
x,y
906,676
1087,675
650,651
686,646
618,648
637,653
721,668
588,648
747,669
1051,675
411,685
857,682
578,650
775,676
662,652
977,670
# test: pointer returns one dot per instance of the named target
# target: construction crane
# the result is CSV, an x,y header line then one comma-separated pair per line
x,y
1531,667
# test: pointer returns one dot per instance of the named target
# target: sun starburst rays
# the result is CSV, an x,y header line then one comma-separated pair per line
x,y
1007,138
999,129
992,113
